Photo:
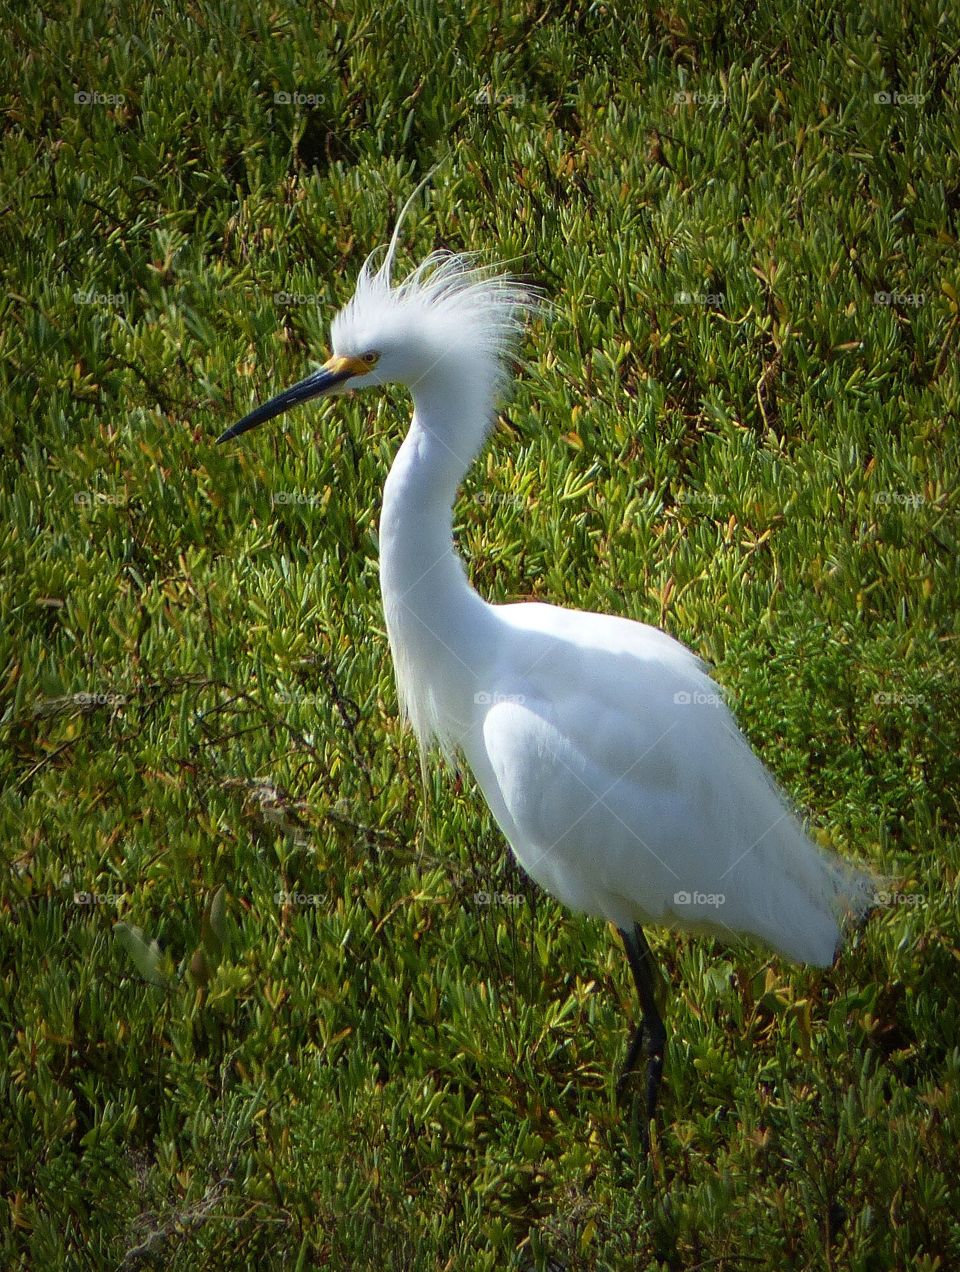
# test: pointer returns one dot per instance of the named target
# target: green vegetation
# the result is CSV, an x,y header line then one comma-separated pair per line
x,y
336,1027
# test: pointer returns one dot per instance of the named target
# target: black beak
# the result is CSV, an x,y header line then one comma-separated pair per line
x,y
330,376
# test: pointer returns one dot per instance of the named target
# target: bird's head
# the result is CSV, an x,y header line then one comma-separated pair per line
x,y
448,320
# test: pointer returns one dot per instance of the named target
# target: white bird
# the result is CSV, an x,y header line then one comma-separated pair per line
x,y
604,750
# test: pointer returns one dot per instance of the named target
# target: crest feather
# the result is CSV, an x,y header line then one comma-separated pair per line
x,y
461,302
476,307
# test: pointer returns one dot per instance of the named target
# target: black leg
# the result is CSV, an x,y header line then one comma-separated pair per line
x,y
651,1024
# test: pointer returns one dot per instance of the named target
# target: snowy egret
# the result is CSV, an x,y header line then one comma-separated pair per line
x,y
604,750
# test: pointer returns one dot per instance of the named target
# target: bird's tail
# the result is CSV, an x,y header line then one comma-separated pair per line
x,y
820,896
832,896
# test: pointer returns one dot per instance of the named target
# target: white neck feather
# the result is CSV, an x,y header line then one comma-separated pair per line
x,y
435,620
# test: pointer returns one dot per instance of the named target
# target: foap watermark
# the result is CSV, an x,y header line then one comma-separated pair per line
x,y
484,698
697,698
299,497
96,98
883,699
700,499
491,497
97,898
712,300
714,899
100,300
99,699
888,98
297,898
696,97
905,498
293,299
913,299
489,97
899,898
508,899
97,498
296,98
298,697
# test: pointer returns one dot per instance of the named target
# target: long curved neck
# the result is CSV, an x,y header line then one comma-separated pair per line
x,y
435,620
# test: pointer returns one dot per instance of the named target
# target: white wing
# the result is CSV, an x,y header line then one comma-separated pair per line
x,y
621,781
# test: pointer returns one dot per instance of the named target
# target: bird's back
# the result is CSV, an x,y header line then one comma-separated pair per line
x,y
625,788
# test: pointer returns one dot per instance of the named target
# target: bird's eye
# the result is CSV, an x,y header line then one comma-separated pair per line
x,y
371,358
